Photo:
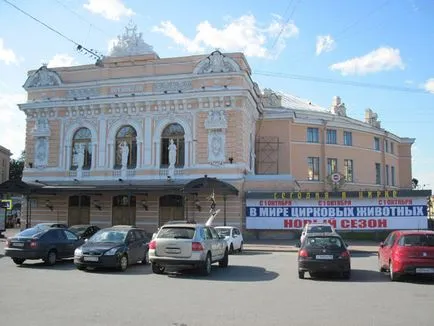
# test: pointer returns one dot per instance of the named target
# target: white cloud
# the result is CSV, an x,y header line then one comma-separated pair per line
x,y
109,9
429,86
12,123
61,60
324,43
381,59
241,34
7,55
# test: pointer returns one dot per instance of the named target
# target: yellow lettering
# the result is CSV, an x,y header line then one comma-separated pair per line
x,y
299,195
308,195
378,194
317,196
275,195
360,194
386,194
369,194
283,195
326,195
344,195
395,194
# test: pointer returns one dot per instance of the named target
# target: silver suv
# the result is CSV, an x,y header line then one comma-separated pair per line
x,y
187,246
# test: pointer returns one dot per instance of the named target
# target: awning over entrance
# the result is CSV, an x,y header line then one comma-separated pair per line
x,y
18,187
209,185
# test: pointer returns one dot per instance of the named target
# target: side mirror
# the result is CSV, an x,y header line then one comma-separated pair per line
x,y
298,244
381,244
154,235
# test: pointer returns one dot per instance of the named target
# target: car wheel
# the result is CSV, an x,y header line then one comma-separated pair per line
x,y
145,260
241,248
123,263
313,274
301,275
80,268
51,257
225,261
231,249
393,276
18,261
206,267
157,269
346,275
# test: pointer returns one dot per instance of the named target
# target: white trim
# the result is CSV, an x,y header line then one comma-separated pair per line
x,y
147,147
69,135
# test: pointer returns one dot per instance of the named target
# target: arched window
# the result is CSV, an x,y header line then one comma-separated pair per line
x,y
176,132
126,142
81,149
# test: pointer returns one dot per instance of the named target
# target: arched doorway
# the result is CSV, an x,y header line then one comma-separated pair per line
x,y
78,210
175,132
124,210
171,208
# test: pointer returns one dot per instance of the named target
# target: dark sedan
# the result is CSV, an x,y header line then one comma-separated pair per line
x,y
50,245
115,247
84,231
321,253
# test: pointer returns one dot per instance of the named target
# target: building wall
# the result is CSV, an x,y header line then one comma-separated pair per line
x,y
5,156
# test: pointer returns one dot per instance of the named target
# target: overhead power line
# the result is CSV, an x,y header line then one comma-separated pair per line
x,y
286,22
91,52
340,82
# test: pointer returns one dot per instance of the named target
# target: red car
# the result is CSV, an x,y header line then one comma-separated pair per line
x,y
407,252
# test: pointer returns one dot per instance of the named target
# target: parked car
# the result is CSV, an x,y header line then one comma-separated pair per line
x,y
233,237
43,226
407,252
316,228
115,247
49,244
324,252
84,231
187,246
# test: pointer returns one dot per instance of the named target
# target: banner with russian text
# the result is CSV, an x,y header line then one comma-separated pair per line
x,y
343,214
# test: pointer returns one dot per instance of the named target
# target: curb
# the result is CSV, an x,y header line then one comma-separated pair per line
x,y
254,248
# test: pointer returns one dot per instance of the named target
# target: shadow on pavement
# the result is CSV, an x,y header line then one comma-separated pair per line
x,y
137,269
357,275
234,273
66,264
411,279
254,253
361,253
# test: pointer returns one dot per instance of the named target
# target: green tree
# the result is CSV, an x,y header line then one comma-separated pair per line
x,y
414,183
16,167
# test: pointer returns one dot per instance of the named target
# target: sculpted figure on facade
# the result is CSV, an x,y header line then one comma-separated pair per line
x,y
41,153
216,147
172,158
216,120
80,156
271,99
124,150
216,62
130,43
43,77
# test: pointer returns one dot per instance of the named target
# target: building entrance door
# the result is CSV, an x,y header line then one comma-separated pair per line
x,y
79,210
171,208
124,210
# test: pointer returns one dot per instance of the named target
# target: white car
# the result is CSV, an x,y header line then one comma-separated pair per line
x,y
316,228
233,237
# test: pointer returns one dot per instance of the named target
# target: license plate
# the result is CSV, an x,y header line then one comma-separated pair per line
x,y
425,270
90,258
327,257
18,244
173,251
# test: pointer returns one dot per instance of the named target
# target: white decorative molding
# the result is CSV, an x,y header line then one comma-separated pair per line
x,y
216,120
42,128
216,147
216,62
270,99
172,86
131,43
129,89
41,153
338,108
82,92
43,77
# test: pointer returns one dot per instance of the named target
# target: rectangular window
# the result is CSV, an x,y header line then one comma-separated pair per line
x,y
312,135
332,165
376,143
348,170
331,136
392,172
392,148
386,146
348,138
378,173
313,168
387,175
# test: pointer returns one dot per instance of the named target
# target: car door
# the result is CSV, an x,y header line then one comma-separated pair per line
x,y
59,241
141,240
72,242
236,234
210,243
218,243
387,249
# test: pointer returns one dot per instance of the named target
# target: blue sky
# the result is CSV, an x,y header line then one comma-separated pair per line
x,y
375,42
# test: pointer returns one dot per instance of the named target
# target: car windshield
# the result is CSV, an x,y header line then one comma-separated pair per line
x,y
320,229
176,233
323,242
78,229
109,236
223,231
42,226
413,240
29,232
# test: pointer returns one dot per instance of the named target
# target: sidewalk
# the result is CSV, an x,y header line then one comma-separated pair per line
x,y
290,246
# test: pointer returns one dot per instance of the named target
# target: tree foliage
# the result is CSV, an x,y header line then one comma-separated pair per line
x,y
16,167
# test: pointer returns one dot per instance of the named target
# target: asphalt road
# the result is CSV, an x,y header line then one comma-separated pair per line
x,y
257,289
